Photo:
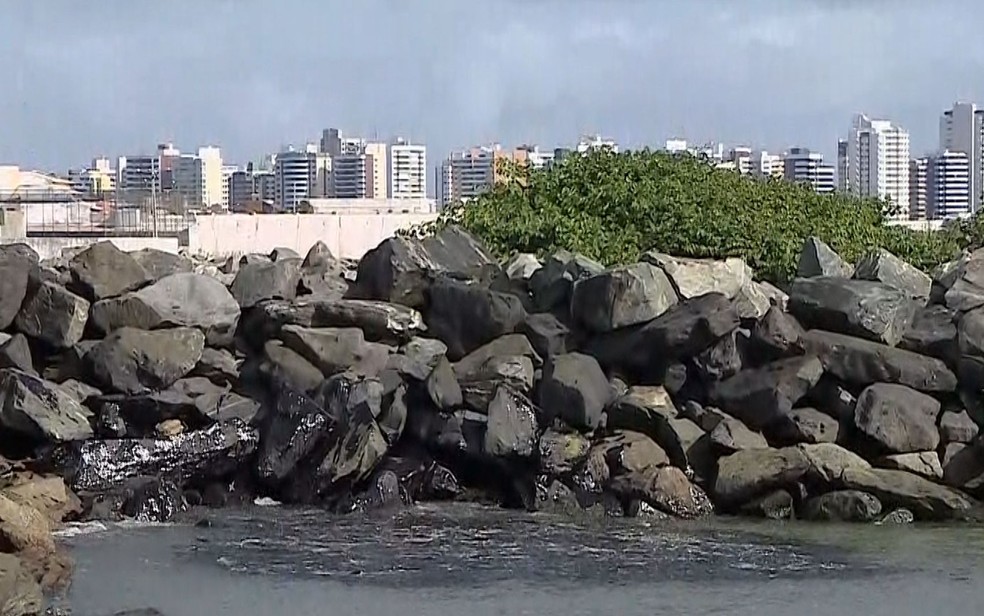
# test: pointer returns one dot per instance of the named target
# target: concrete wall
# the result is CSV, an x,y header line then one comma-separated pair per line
x,y
346,235
48,247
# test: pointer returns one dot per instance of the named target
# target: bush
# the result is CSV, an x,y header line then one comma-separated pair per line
x,y
612,207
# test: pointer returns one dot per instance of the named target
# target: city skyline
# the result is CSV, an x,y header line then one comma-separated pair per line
x,y
81,83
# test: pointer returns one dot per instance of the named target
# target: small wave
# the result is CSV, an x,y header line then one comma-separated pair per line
x,y
266,501
78,529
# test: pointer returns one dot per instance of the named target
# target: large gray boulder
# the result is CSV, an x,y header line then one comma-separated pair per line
x,y
39,410
925,499
731,435
15,352
178,300
862,362
933,332
776,335
843,506
871,310
103,270
466,316
885,267
898,419
400,268
17,262
621,296
159,264
761,396
379,321
695,277
510,345
334,350
562,452
923,463
512,430
259,281
958,427
199,455
548,335
551,285
963,467
683,331
575,389
20,593
804,425
134,361
964,282
284,366
54,315
819,259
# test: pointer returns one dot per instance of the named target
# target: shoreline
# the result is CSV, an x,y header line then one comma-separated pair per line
x,y
136,385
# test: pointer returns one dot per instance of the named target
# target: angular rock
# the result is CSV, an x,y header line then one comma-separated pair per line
x,y
776,335
20,594
843,506
870,310
379,321
898,419
103,270
547,334
16,353
706,417
334,350
256,282
319,256
730,435
417,358
297,427
466,316
178,300
521,267
282,252
512,430
819,259
400,268
39,410
100,465
923,463
53,315
724,358
575,389
510,345
134,361
925,499
753,300
219,366
804,425
622,296
158,263
964,283
667,489
958,427
552,284
963,467
885,267
442,386
758,397
562,452
776,505
683,331
933,332
17,263
284,366
695,277
863,363
625,452
48,494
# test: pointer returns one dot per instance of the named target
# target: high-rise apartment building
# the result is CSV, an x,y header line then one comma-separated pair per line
x,y
96,180
588,143
962,130
408,170
801,165
919,188
949,181
765,165
842,156
299,176
359,171
197,179
878,163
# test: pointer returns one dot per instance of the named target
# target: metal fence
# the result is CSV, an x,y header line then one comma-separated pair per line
x,y
138,214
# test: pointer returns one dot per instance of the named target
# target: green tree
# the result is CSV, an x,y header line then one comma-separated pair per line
x,y
613,207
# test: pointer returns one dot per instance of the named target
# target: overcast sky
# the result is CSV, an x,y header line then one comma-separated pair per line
x,y
89,78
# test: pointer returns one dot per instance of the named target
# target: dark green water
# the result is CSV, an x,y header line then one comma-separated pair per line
x,y
462,560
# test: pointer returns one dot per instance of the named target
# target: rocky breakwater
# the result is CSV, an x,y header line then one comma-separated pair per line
x,y
145,383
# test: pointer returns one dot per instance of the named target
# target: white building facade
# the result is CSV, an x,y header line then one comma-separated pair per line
x,y
962,130
803,166
878,163
408,170
949,182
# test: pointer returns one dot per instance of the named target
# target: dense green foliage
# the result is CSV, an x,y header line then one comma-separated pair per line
x,y
612,207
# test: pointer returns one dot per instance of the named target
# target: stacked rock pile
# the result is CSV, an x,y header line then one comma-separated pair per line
x,y
145,382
